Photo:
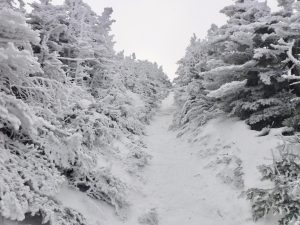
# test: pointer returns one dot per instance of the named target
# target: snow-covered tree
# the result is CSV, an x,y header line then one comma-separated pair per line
x,y
243,64
28,178
249,68
64,102
194,107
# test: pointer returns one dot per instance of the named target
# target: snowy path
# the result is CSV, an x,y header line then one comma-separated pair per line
x,y
178,184
176,187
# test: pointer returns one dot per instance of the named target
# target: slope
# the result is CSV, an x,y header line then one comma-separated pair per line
x,y
192,183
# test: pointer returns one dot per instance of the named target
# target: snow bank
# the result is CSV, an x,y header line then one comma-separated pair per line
x,y
96,212
225,136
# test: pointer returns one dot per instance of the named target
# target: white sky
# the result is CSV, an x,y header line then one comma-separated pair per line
x,y
160,30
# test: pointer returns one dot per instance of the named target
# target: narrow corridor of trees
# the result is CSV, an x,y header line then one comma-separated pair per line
x,y
72,109
65,97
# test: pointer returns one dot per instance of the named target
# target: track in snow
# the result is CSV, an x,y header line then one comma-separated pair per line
x,y
178,187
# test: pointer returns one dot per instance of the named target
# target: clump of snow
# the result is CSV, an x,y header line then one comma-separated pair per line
x,y
138,102
84,103
95,212
149,218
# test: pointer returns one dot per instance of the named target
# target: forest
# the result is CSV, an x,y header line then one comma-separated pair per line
x,y
249,68
91,136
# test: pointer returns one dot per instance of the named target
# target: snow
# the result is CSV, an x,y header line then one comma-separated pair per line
x,y
138,102
227,89
84,103
189,182
97,213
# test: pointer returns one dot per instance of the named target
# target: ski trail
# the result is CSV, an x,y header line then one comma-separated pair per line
x,y
177,185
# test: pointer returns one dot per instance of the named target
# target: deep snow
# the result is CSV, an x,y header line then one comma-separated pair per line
x,y
190,183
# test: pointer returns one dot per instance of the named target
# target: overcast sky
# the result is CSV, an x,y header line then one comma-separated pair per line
x,y
160,30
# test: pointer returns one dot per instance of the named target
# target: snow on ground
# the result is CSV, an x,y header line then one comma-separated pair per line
x,y
97,213
186,183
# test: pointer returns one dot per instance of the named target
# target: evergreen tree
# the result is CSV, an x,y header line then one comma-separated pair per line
x,y
244,64
64,102
283,198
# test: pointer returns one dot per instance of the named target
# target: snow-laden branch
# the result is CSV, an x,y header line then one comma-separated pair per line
x,y
230,68
220,39
290,54
76,59
295,83
227,89
288,47
291,77
6,40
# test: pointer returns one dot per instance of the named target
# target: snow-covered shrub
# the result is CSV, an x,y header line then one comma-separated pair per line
x,y
293,122
229,169
195,113
194,108
283,198
101,185
29,177
66,98
149,218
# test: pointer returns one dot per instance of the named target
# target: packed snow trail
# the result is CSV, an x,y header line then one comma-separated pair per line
x,y
180,188
185,183
177,185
